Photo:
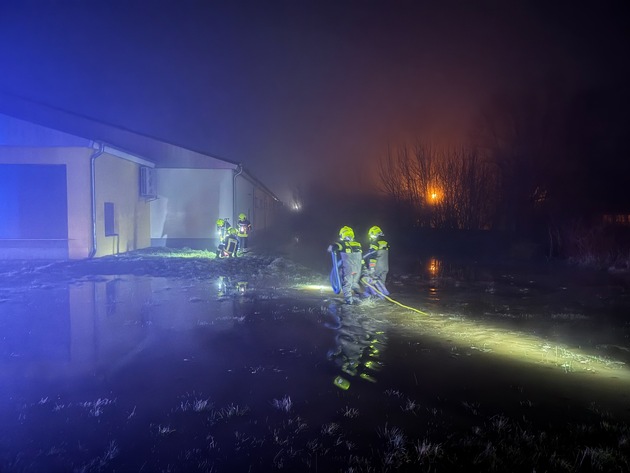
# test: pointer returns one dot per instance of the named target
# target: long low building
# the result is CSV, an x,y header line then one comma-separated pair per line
x,y
72,187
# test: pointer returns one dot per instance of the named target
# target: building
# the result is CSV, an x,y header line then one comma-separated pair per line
x,y
72,187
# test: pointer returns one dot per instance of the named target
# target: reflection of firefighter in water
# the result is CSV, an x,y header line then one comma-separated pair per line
x,y
228,288
358,343
228,248
244,229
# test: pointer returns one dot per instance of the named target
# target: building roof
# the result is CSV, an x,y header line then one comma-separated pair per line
x,y
79,130
162,153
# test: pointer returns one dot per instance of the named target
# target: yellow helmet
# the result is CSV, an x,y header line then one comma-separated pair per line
x,y
346,233
375,232
232,231
220,222
242,216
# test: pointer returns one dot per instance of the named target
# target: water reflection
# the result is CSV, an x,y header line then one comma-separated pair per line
x,y
434,270
173,369
229,288
466,336
36,330
108,369
359,341
100,325
434,267
433,295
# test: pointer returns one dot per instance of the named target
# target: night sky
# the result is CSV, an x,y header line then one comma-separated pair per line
x,y
304,93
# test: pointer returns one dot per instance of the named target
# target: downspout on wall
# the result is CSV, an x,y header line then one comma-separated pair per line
x,y
95,154
237,172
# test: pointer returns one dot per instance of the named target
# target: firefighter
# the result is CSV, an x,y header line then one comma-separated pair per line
x,y
349,253
222,229
377,258
244,227
229,247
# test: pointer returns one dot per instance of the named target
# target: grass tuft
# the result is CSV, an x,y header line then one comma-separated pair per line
x,y
285,404
350,412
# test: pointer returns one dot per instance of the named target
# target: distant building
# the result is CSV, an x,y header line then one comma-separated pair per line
x,y
73,188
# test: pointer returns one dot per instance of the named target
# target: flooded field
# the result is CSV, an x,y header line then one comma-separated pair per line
x,y
463,369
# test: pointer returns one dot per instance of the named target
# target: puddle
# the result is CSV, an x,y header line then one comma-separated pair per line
x,y
136,373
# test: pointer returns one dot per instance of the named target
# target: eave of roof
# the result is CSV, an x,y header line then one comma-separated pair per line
x,y
162,153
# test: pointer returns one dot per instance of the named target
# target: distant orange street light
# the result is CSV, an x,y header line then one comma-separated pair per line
x,y
434,196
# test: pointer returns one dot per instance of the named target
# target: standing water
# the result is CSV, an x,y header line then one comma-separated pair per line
x,y
461,369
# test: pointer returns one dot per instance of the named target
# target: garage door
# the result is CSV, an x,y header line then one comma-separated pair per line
x,y
33,202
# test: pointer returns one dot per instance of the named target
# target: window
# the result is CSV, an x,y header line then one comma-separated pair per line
x,y
110,228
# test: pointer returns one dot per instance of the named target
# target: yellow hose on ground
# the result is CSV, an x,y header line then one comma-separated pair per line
x,y
365,281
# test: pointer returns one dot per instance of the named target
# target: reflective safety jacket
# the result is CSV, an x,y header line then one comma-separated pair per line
x,y
377,258
351,255
244,227
229,248
222,231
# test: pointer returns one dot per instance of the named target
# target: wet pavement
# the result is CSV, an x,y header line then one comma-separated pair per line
x,y
463,369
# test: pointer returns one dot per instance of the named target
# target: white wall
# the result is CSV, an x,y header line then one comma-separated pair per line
x,y
189,202
117,181
244,198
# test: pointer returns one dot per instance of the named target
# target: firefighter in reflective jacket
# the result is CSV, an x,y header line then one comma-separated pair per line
x,y
377,257
228,248
222,229
244,227
349,253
